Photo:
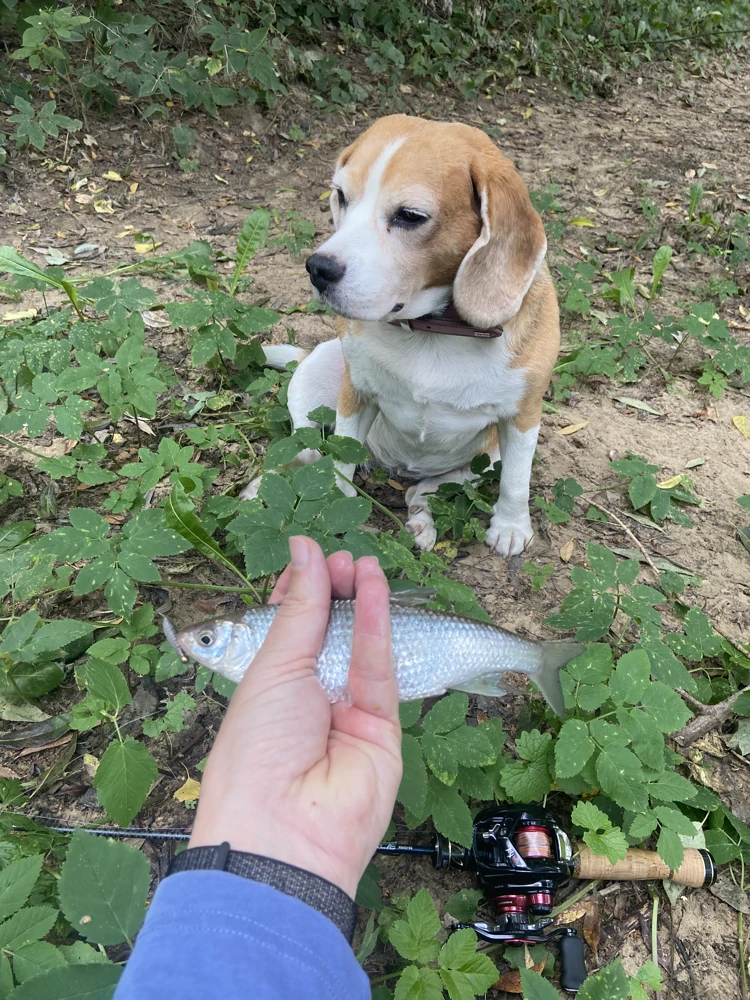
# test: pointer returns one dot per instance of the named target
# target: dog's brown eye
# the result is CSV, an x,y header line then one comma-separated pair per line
x,y
409,218
341,197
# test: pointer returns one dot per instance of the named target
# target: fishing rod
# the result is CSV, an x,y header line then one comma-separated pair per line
x,y
522,857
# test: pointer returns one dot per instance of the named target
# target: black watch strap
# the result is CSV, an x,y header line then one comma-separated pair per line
x,y
317,892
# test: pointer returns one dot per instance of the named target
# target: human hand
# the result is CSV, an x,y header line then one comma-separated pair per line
x,y
291,776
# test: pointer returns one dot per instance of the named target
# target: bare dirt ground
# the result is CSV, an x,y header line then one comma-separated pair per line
x,y
606,154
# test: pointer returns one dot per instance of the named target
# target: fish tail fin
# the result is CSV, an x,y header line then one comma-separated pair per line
x,y
555,655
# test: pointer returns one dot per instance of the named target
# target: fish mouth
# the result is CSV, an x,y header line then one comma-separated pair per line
x,y
171,637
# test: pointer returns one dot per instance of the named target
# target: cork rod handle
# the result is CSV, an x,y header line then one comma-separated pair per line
x,y
697,868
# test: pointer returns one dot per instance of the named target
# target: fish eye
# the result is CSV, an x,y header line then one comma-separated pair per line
x,y
205,638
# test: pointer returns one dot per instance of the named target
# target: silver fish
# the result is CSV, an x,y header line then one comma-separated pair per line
x,y
433,651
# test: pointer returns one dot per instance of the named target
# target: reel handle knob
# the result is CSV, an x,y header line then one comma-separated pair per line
x,y
572,965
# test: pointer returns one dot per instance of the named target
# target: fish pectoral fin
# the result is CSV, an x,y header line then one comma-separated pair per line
x,y
413,597
483,684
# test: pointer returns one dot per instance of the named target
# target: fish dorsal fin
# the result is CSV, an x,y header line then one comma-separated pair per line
x,y
414,597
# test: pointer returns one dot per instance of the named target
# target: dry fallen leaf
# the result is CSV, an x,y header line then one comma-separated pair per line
x,y
103,207
583,222
742,425
668,484
638,404
91,763
111,175
592,926
396,485
188,792
47,746
510,981
567,550
572,428
134,187
481,716
12,317
7,772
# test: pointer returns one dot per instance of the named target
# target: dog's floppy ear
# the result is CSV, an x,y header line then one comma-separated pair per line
x,y
498,270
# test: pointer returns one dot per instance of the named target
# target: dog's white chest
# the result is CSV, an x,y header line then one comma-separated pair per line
x,y
436,395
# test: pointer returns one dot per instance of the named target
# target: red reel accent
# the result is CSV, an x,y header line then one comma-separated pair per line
x,y
511,904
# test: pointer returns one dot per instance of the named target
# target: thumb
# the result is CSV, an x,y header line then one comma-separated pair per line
x,y
296,635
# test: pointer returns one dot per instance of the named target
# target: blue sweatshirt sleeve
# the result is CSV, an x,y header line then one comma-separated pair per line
x,y
214,934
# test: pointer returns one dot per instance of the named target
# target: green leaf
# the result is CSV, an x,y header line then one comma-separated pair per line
x,y
107,683
645,736
418,984
76,982
251,238
18,634
630,678
530,779
621,777
123,778
35,959
666,667
276,493
665,707
464,972
673,819
95,574
462,905
120,593
346,449
413,788
179,514
609,984
536,987
447,714
343,515
669,847
17,880
103,888
672,787
56,634
603,562
662,258
36,679
593,665
440,757
573,748
414,938
643,826
472,748
450,814
612,843
641,490
139,567
409,713
28,924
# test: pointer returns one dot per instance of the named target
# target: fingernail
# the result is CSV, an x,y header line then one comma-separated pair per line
x,y
298,551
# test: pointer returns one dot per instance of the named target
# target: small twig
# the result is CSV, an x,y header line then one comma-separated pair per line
x,y
737,326
711,717
741,949
655,938
630,535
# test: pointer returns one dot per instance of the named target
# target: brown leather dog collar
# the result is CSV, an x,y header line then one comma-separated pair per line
x,y
450,323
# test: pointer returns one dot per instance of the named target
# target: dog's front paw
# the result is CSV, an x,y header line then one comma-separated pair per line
x,y
346,488
421,525
509,536
250,492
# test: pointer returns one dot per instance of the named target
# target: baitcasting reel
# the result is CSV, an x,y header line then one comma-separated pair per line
x,y
522,857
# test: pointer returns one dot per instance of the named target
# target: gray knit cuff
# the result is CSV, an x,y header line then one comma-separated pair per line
x,y
311,889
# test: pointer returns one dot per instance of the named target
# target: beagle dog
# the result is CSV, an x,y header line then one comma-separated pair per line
x,y
447,317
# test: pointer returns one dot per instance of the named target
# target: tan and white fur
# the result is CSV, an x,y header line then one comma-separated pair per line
x,y
424,212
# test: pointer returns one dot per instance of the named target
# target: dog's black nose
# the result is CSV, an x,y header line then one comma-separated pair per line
x,y
324,270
